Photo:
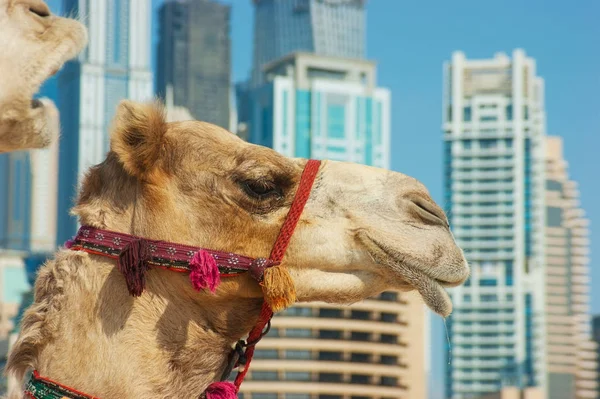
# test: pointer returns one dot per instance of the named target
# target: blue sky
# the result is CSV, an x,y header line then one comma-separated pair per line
x,y
411,40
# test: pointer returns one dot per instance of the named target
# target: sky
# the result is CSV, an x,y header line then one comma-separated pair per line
x,y
410,40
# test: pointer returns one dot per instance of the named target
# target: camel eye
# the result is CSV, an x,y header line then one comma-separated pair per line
x,y
260,189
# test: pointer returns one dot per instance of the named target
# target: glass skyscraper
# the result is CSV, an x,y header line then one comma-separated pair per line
x,y
114,66
325,27
494,135
194,57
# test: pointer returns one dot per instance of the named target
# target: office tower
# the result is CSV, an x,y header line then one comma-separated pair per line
x,y
314,106
572,354
494,131
323,107
329,28
194,57
114,66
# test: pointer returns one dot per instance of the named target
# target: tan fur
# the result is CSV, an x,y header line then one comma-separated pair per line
x,y
364,230
32,49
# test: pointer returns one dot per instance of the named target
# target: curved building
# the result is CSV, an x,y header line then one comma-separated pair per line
x,y
370,350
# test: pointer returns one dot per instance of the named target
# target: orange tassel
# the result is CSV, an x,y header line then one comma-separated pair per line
x,y
278,288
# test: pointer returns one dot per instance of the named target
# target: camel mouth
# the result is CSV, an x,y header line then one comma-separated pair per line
x,y
410,275
35,103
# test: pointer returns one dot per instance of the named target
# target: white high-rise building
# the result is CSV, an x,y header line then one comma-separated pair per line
x,y
115,65
494,134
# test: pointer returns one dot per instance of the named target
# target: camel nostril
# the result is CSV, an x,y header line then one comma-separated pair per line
x,y
431,212
43,12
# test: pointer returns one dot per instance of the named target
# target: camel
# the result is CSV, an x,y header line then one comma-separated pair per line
x,y
35,44
362,231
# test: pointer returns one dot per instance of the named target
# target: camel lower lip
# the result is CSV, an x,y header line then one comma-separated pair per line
x,y
433,294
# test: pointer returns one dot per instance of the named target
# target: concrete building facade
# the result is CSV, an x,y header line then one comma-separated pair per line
x,y
571,353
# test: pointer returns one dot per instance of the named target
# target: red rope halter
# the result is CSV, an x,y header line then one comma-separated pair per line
x,y
135,255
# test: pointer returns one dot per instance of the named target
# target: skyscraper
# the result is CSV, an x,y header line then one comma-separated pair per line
x,y
323,107
114,66
494,135
572,357
194,57
331,28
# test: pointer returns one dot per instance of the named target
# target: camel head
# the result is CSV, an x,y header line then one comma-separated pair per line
x,y
35,44
364,230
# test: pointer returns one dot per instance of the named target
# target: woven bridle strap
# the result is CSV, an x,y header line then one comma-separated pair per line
x,y
277,253
181,258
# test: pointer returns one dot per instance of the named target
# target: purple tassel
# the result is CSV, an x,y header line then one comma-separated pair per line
x,y
133,264
221,390
69,244
204,272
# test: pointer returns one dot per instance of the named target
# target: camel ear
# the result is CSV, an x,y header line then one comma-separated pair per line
x,y
137,136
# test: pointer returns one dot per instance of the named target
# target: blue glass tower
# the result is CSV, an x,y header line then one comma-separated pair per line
x,y
114,66
330,28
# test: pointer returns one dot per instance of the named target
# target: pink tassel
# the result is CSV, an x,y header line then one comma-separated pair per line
x,y
204,272
69,244
221,390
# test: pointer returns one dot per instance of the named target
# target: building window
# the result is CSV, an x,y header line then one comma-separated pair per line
x,y
489,298
467,144
487,143
331,313
330,334
467,298
266,354
297,376
389,296
388,359
298,332
331,356
264,375
488,118
361,315
389,339
297,354
509,113
467,114
330,377
360,379
488,282
360,336
389,317
304,312
297,396
258,395
336,121
360,358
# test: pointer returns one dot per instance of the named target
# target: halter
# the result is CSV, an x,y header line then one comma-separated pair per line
x,y
136,255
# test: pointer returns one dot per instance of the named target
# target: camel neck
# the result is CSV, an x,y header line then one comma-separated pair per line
x,y
178,339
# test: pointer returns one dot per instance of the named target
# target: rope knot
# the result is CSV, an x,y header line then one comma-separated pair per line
x,y
258,267
133,263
